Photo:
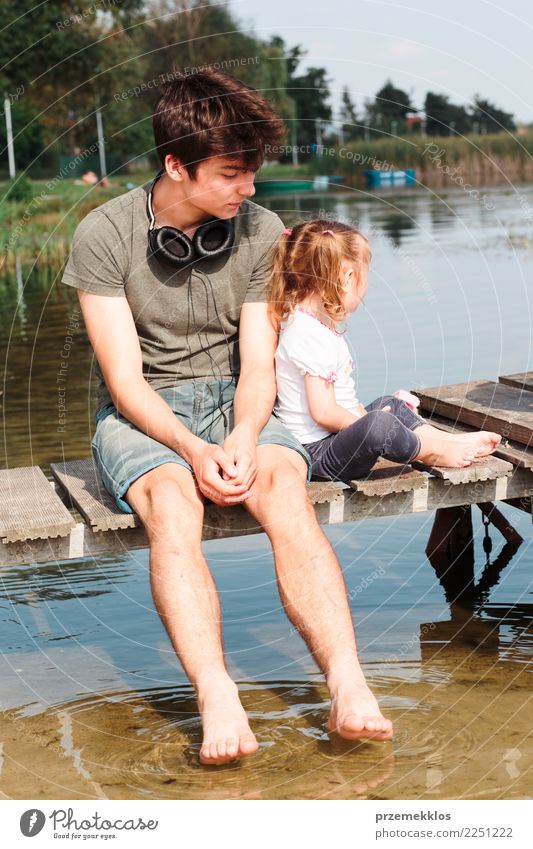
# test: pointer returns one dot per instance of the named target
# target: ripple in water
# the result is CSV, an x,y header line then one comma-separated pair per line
x,y
146,745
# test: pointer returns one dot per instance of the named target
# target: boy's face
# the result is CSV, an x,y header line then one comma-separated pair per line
x,y
219,186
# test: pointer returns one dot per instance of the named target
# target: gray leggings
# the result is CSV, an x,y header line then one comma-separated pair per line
x,y
351,453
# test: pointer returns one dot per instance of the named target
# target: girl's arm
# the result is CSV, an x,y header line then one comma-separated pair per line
x,y
324,408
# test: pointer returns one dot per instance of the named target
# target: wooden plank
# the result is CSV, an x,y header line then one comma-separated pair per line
x,y
522,380
29,507
484,469
86,492
387,477
325,493
344,505
508,450
486,405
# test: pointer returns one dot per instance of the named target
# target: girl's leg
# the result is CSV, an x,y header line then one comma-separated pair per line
x,y
352,452
439,448
398,408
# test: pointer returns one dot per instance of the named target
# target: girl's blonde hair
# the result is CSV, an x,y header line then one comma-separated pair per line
x,y
308,260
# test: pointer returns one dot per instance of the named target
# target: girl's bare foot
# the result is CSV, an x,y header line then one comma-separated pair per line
x,y
355,715
485,441
454,450
227,734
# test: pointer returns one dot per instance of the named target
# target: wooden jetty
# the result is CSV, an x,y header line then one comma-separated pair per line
x,y
71,516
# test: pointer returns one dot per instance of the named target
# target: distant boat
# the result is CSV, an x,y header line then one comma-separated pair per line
x,y
375,179
320,183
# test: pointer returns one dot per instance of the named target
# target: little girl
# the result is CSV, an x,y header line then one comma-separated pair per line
x,y
320,275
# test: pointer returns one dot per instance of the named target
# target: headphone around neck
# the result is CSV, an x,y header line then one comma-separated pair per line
x,y
173,247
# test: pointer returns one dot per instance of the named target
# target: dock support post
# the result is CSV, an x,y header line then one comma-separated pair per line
x,y
451,531
450,550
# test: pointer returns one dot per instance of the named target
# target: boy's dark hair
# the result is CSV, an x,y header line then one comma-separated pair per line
x,y
214,114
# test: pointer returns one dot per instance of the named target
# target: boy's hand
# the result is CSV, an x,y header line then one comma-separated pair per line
x,y
241,447
216,475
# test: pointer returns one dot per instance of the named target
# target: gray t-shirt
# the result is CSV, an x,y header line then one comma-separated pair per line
x,y
187,320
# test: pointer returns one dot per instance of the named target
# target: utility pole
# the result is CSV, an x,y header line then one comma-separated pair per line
x,y
295,162
318,132
9,133
101,144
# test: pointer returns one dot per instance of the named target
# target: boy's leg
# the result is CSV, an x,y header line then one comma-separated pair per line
x,y
171,509
312,589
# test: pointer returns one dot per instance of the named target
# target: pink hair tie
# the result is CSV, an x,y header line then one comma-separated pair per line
x,y
327,231
286,232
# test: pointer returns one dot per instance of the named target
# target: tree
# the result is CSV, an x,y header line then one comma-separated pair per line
x,y
179,37
350,124
294,57
489,118
311,93
388,109
444,118
275,77
70,58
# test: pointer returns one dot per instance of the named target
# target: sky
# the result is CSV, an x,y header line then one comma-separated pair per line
x,y
459,48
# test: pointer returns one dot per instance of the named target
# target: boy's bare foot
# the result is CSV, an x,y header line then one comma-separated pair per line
x,y
227,734
355,715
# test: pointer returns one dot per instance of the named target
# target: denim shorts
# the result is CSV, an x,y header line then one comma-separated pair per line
x,y
122,453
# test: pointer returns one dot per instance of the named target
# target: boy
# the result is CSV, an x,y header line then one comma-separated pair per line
x,y
186,357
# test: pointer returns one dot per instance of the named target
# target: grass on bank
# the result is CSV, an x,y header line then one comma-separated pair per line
x,y
474,153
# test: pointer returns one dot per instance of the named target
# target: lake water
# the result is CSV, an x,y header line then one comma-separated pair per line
x,y
93,702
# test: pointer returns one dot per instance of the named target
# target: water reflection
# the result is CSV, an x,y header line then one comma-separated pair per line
x,y
76,727
396,226
94,703
34,584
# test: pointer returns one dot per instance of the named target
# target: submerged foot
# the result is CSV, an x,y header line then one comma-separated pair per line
x,y
355,715
227,734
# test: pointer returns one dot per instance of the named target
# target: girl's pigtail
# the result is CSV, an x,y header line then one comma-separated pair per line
x,y
278,287
326,258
